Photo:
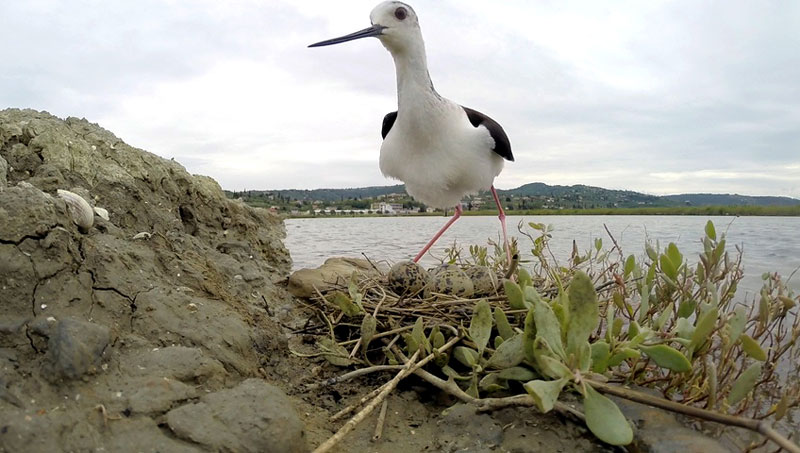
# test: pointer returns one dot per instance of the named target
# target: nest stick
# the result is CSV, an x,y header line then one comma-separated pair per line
x,y
380,422
353,422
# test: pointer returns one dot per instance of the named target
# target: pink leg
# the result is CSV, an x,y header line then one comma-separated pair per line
x,y
502,217
436,237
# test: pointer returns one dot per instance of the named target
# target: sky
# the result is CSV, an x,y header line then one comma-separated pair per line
x,y
659,97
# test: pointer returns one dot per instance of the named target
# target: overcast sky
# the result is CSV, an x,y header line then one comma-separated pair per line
x,y
654,96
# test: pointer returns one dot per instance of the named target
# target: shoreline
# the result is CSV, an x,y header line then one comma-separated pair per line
x,y
733,211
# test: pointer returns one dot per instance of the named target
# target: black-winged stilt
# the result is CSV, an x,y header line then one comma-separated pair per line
x,y
441,150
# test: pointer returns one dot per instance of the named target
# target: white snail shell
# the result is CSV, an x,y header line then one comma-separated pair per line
x,y
102,212
80,210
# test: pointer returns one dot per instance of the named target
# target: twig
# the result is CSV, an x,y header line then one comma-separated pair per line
x,y
758,426
353,374
377,391
353,422
380,422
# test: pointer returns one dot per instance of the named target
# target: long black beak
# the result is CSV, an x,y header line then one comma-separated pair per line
x,y
375,30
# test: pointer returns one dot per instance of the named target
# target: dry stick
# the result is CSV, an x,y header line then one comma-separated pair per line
x,y
380,422
353,422
353,374
758,426
378,390
379,335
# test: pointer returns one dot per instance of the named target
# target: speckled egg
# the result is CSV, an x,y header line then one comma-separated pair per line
x,y
450,279
483,280
407,278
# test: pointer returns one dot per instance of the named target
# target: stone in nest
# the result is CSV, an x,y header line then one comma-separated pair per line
x,y
407,278
450,279
483,280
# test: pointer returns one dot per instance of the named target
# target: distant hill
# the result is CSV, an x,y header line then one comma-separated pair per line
x,y
535,195
587,196
714,199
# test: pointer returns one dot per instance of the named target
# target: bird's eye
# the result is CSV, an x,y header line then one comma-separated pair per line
x,y
400,13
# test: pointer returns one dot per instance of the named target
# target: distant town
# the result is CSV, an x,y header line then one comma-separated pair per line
x,y
534,197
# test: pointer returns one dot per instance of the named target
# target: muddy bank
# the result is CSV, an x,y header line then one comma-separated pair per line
x,y
147,331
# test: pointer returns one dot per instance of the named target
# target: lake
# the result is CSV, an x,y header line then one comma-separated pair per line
x,y
770,244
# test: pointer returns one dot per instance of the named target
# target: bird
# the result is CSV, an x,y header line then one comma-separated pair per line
x,y
441,150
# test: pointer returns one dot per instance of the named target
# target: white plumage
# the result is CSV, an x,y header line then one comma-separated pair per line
x,y
441,150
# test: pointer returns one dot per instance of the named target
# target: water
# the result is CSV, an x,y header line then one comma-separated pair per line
x,y
770,244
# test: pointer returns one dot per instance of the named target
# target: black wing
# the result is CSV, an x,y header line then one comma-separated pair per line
x,y
502,145
388,122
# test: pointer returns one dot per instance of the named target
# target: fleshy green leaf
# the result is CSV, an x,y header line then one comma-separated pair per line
x,y
514,294
752,348
529,336
480,327
630,264
467,356
711,232
345,304
737,323
547,326
492,383
605,420
545,393
703,328
744,383
548,364
333,352
622,354
684,329
674,255
584,314
600,355
503,326
686,308
508,354
524,277
516,373
667,357
418,333
368,327
436,338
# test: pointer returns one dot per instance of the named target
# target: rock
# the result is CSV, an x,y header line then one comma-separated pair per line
x,y
76,348
99,323
336,270
407,278
252,417
140,434
175,362
157,394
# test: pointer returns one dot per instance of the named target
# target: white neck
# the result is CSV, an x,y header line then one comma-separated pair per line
x,y
413,79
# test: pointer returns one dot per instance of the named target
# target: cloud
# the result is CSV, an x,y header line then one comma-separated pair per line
x,y
659,97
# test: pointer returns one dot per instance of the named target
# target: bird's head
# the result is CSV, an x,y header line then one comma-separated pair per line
x,y
394,23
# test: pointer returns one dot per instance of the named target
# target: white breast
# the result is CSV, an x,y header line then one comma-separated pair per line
x,y
439,154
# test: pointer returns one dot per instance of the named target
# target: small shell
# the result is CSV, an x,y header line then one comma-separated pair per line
x,y
142,235
80,211
102,212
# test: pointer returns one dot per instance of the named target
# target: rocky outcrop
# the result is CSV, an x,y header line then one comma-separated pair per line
x,y
106,331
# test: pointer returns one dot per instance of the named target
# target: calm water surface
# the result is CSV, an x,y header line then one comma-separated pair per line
x,y
770,244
